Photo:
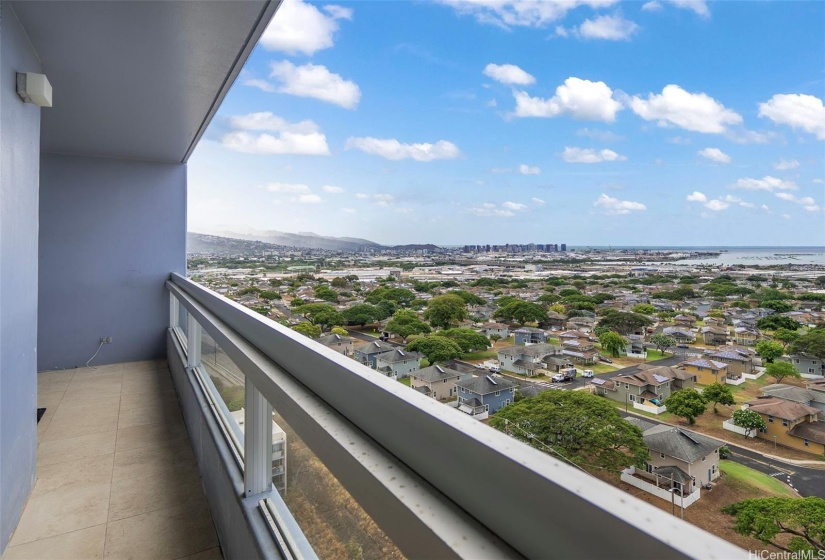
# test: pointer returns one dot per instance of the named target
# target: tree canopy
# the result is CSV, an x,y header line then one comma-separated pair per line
x,y
717,393
802,520
443,311
612,342
769,350
748,419
467,339
405,322
774,322
781,370
521,312
812,344
644,309
687,403
436,348
399,296
785,336
621,322
307,329
583,428
360,314
663,341
320,314
468,297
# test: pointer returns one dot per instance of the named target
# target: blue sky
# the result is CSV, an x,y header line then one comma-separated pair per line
x,y
670,122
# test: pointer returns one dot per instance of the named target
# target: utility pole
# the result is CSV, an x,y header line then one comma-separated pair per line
x,y
672,497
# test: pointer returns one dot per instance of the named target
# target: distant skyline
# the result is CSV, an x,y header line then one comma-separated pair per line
x,y
595,122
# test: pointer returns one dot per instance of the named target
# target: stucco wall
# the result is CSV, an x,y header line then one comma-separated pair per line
x,y
111,231
19,177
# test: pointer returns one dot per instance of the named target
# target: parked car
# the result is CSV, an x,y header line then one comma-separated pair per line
x,y
479,366
495,369
565,375
587,373
605,359
682,346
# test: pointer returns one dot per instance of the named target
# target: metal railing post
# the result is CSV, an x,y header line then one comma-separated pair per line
x,y
193,341
174,310
257,444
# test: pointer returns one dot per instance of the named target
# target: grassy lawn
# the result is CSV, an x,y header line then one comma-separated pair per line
x,y
656,355
480,355
600,368
405,381
749,479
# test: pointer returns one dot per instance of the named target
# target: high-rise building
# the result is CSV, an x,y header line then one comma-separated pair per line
x,y
563,247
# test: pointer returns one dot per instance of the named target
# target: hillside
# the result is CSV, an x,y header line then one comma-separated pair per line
x,y
303,239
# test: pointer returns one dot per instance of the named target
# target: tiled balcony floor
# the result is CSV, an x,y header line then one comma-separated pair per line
x,y
116,477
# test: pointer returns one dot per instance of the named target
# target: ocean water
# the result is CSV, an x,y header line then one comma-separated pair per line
x,y
762,256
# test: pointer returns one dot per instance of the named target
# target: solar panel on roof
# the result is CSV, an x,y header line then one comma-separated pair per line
x,y
659,378
597,381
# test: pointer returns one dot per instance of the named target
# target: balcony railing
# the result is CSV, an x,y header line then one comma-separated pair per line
x,y
438,483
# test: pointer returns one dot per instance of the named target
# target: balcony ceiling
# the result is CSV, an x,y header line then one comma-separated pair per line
x,y
136,79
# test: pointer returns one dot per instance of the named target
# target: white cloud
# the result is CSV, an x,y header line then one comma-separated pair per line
x,y
489,209
587,155
680,140
390,148
501,170
538,201
766,183
806,202
819,181
262,85
284,143
611,28
614,206
786,216
383,199
577,98
714,154
716,205
797,111
520,13
332,189
601,135
783,165
271,123
561,31
313,80
514,205
348,210
508,74
696,196
527,170
362,196
749,136
652,6
308,199
692,111
293,188
700,7
299,27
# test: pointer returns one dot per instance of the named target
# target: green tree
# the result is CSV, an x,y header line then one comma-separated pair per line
x,y
321,314
339,282
800,522
405,322
785,336
385,308
781,370
769,350
583,428
717,393
741,304
749,420
644,309
468,339
777,305
340,331
663,341
399,296
435,348
326,294
812,344
468,297
360,314
775,322
687,404
495,338
443,311
269,295
612,342
621,322
557,308
308,329
521,312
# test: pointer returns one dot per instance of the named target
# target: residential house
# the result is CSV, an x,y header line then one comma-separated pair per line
x,y
641,387
397,363
581,351
680,378
554,364
714,335
583,324
790,423
490,329
746,336
366,353
529,335
683,335
739,360
484,394
555,321
813,395
635,347
684,320
339,343
714,322
811,367
707,371
527,360
688,459
435,381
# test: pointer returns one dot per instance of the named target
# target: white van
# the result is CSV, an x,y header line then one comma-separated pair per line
x,y
587,373
495,369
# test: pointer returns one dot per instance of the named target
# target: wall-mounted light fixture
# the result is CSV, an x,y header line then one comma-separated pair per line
x,y
34,88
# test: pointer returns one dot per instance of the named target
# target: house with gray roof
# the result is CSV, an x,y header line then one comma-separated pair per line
x,y
681,334
526,360
485,394
809,366
436,381
366,353
397,363
529,335
645,388
812,395
340,343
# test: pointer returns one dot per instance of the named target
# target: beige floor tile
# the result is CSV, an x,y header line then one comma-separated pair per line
x,y
102,380
147,384
49,400
89,471
148,435
144,365
62,512
91,391
55,375
168,412
70,449
74,406
52,386
211,554
45,422
104,368
81,423
84,544
162,534
135,496
142,400
153,459
89,374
